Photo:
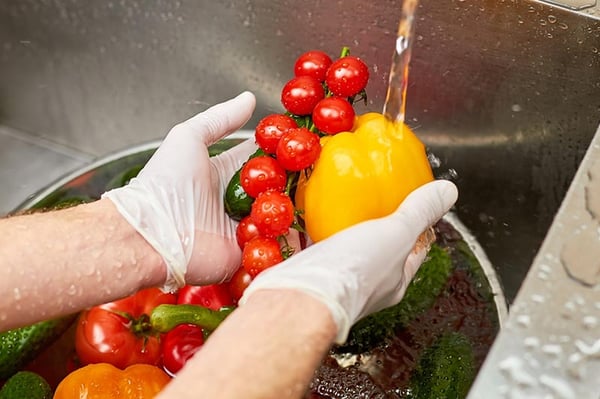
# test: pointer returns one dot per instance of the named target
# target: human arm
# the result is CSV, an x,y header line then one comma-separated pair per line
x,y
269,348
168,218
292,313
59,262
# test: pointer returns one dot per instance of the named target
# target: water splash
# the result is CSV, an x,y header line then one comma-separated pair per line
x,y
395,102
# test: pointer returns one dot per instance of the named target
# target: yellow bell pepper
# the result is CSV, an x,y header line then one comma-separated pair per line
x,y
105,381
361,175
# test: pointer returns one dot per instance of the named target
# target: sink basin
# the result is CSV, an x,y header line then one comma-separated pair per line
x,y
505,93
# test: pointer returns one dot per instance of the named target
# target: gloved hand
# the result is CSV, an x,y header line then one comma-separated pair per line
x,y
176,201
366,267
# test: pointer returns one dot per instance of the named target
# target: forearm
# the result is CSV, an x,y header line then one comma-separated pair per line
x,y
60,262
275,340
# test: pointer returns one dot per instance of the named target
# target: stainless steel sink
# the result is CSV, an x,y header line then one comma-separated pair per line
x,y
506,93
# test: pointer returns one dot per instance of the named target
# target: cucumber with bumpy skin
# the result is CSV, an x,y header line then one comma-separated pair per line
x,y
446,369
21,345
420,295
26,385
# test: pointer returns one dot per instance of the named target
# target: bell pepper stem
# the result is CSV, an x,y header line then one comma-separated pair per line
x,y
166,317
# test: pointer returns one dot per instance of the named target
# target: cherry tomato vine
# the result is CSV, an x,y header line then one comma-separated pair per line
x,y
318,101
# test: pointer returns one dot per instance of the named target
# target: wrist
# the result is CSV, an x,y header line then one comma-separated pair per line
x,y
142,254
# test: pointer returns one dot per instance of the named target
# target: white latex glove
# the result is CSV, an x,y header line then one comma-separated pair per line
x,y
366,267
176,201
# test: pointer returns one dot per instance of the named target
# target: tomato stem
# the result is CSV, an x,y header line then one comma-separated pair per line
x,y
165,317
291,180
345,51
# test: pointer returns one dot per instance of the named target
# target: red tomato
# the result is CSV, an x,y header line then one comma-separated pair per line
x,y
300,95
180,344
347,76
312,63
119,332
214,296
273,213
262,173
245,231
270,129
259,254
333,115
298,149
238,283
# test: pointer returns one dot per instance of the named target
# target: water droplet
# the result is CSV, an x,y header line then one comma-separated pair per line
x,y
589,322
576,365
552,349
523,320
559,387
514,368
531,342
17,294
588,350
434,161
552,19
72,290
538,298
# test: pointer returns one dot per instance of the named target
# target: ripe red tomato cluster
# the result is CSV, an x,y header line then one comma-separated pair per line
x,y
120,333
326,89
318,101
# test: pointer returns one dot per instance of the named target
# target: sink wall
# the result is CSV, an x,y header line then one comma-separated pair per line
x,y
504,92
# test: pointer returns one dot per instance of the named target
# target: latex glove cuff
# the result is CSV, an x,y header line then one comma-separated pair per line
x,y
141,208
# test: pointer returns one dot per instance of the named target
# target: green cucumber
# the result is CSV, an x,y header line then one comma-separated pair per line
x,y
421,294
165,317
237,202
71,201
21,345
26,385
446,369
123,178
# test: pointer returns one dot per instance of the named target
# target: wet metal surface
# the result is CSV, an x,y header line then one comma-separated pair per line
x,y
28,164
550,345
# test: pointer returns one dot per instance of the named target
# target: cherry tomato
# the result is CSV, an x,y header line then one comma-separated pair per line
x,y
270,129
180,344
259,254
272,213
262,173
238,283
312,63
333,115
298,149
214,296
300,95
119,332
347,76
245,231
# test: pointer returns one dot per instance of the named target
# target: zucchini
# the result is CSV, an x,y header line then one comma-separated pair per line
x,y
446,369
421,294
21,345
26,385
